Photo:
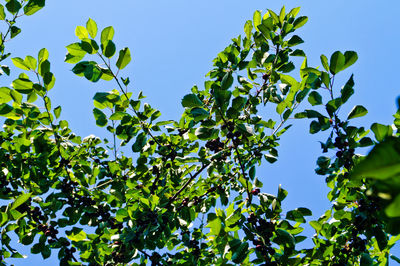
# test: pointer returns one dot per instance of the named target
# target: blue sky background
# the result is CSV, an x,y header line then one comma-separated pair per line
x,y
173,44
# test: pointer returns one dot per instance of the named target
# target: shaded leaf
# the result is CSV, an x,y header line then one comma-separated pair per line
x,y
337,62
191,100
382,162
357,111
124,58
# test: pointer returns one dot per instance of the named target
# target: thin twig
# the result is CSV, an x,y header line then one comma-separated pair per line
x,y
192,177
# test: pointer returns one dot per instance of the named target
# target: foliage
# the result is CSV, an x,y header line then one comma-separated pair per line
x,y
188,193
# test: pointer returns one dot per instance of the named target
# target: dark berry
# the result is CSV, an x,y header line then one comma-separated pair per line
x,y
255,191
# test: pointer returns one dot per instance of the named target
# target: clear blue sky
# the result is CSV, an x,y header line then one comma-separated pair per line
x,y
173,44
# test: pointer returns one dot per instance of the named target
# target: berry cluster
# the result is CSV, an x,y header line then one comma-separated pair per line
x,y
194,245
155,258
234,136
231,134
171,155
104,213
265,230
120,252
4,189
118,256
215,145
68,186
69,253
115,225
35,213
229,125
49,231
344,154
358,245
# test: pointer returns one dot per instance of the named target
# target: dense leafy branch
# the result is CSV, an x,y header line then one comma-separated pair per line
x,y
189,194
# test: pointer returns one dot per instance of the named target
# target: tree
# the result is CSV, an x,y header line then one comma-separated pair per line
x,y
187,193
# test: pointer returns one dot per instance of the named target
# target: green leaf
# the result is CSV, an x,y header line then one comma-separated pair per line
x,y
270,158
294,12
222,97
380,236
284,238
91,27
44,67
33,6
314,98
5,95
49,80
30,62
333,105
81,32
43,55
19,62
101,118
350,58
347,90
2,13
89,69
93,72
296,216
357,111
382,162
240,253
252,172
191,100
13,6
118,116
337,62
215,226
75,49
257,18
266,27
141,140
22,85
76,234
282,14
248,27
121,214
205,133
315,127
281,107
227,81
381,131
37,248
299,22
393,209
46,252
295,40
274,16
366,260
57,111
199,113
396,259
316,225
124,58
14,31
20,200
324,61
107,34
109,49
89,46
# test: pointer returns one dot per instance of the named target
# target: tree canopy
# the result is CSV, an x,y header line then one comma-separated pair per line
x,y
187,192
